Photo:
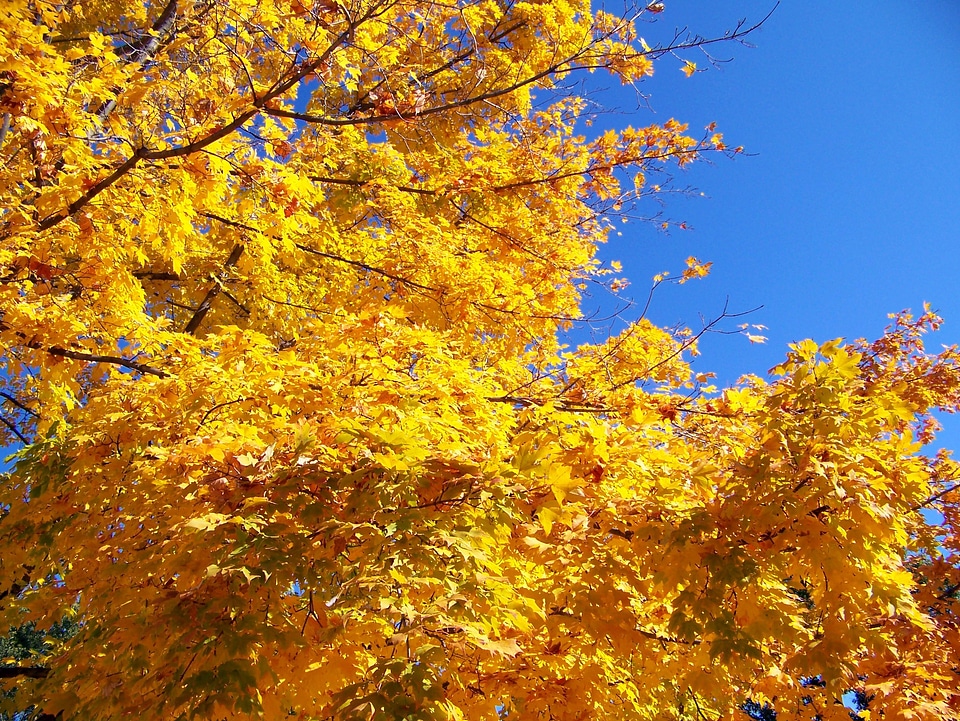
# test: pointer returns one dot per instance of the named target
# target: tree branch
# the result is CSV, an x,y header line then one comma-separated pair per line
x,y
361,183
322,254
112,359
142,53
212,293
19,405
4,128
24,672
566,65
144,154
935,497
154,275
14,430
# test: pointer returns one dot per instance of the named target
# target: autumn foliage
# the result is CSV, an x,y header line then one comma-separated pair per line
x,y
284,292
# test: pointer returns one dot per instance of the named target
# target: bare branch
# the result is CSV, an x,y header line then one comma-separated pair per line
x,y
935,497
156,275
24,672
14,430
20,405
686,344
329,256
212,293
111,359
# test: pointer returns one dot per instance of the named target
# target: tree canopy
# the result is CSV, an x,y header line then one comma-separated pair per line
x,y
286,287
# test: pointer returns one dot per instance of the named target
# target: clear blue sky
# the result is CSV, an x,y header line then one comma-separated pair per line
x,y
848,207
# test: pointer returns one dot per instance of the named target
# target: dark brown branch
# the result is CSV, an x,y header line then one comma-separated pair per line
x,y
935,497
24,672
366,267
541,316
19,405
322,254
61,352
699,148
216,408
560,406
565,65
503,234
144,154
526,182
14,430
212,293
229,296
665,639
121,170
490,95
949,591
684,346
153,275
17,587
513,400
361,183
112,359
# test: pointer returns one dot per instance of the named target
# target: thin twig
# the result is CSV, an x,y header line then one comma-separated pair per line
x,y
330,256
216,408
14,430
935,497
20,405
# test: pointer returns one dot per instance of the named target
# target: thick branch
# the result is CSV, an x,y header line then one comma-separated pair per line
x,y
145,52
4,128
24,672
112,359
156,275
121,170
212,293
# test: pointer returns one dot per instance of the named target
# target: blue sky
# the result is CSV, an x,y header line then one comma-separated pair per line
x,y
846,205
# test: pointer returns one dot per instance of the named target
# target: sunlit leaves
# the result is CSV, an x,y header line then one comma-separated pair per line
x,y
281,307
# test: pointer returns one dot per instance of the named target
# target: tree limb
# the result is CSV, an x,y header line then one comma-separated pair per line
x,y
145,154
14,430
156,275
212,293
322,254
19,405
112,359
24,672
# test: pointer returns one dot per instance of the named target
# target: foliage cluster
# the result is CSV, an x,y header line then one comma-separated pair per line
x,y
282,292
